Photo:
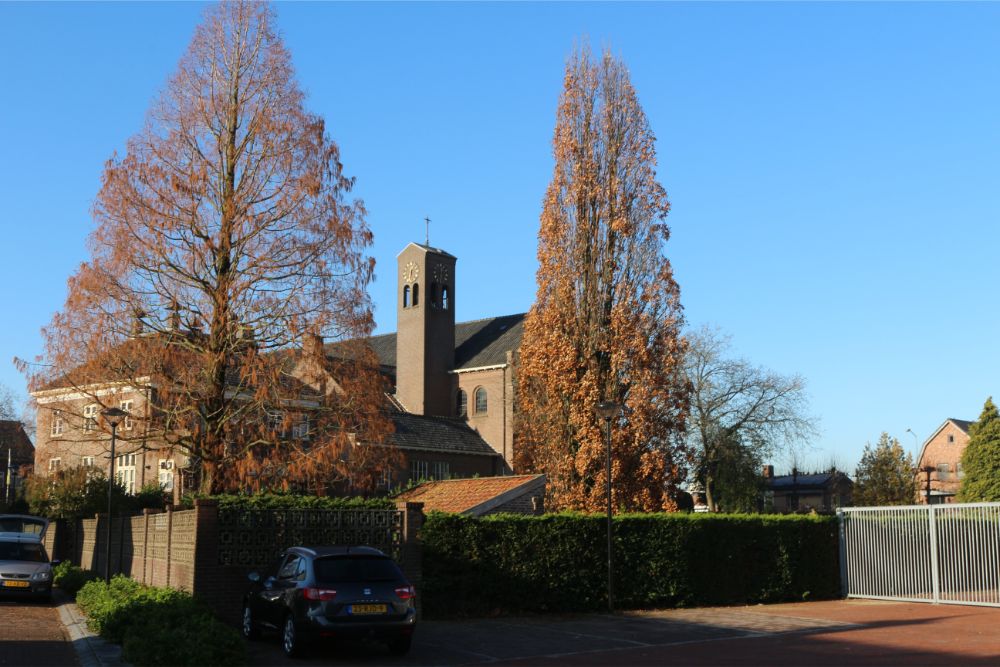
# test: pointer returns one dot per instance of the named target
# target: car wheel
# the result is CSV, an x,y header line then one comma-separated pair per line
x,y
400,645
291,644
250,630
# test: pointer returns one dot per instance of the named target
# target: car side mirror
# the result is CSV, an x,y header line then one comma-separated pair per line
x,y
254,577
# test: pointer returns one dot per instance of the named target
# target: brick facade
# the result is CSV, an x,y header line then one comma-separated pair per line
x,y
943,453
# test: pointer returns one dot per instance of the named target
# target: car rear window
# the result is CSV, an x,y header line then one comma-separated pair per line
x,y
34,553
334,569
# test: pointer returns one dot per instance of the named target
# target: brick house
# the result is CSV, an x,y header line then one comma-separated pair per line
x,y
939,466
450,399
17,450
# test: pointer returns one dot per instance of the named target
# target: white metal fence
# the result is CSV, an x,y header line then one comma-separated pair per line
x,y
936,553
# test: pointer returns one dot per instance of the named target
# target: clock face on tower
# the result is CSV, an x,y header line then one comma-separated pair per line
x,y
441,274
411,272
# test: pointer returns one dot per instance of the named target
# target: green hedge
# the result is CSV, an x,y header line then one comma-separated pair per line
x,y
281,501
558,562
158,626
71,578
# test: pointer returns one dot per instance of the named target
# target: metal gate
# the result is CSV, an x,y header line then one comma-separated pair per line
x,y
938,553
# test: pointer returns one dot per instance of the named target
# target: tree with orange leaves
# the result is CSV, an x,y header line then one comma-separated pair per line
x,y
607,319
226,243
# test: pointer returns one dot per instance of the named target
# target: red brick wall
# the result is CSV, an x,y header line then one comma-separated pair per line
x,y
945,448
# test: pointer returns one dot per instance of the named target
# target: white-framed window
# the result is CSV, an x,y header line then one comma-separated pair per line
x,y
127,423
461,403
166,474
300,430
125,471
943,471
419,470
87,461
481,403
90,418
58,425
55,464
387,478
440,470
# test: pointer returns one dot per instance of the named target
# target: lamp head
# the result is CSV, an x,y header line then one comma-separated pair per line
x,y
607,409
114,416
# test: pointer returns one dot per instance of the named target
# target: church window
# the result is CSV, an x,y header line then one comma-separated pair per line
x,y
416,294
406,297
444,297
481,401
461,403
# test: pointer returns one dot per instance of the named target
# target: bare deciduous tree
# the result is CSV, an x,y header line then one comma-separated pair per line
x,y
740,413
225,238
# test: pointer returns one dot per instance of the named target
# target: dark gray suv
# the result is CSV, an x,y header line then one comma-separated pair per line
x,y
312,593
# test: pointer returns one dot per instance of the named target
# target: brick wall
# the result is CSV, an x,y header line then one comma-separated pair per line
x,y
943,452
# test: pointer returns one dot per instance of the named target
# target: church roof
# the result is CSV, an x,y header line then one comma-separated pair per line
x,y
437,434
477,343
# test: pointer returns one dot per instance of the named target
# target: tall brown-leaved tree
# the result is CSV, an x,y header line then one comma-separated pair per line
x,y
607,319
226,244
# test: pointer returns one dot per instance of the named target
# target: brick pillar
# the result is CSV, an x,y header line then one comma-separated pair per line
x,y
206,543
411,552
147,567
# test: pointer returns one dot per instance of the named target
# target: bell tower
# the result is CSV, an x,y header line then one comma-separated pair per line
x,y
425,335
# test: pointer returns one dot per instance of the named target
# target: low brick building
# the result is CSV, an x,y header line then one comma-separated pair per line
x,y
519,494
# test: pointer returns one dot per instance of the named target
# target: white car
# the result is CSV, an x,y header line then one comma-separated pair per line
x,y
25,569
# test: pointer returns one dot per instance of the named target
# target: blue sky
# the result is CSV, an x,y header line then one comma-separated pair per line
x,y
833,168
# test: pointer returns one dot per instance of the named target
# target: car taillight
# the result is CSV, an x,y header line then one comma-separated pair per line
x,y
319,593
406,592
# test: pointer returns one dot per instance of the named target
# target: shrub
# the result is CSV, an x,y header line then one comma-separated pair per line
x,y
71,578
83,492
158,626
283,501
558,562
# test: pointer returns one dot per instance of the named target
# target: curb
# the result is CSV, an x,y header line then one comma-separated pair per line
x,y
91,650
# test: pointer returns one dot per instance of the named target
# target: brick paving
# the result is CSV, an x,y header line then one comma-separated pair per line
x,y
32,634
841,632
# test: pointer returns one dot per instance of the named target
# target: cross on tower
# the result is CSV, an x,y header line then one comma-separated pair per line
x,y
427,222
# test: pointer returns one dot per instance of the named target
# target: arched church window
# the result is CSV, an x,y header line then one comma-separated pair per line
x,y
416,294
481,401
444,297
434,295
406,297
461,403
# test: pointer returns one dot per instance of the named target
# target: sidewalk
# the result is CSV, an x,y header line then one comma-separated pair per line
x,y
91,650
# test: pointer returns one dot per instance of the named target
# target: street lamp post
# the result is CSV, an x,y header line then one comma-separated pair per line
x,y
608,410
113,416
927,470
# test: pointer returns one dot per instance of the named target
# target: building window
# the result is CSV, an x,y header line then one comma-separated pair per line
x,y
406,296
416,294
481,401
387,479
300,430
444,297
55,464
440,470
951,439
166,474
127,423
276,422
87,461
125,472
57,423
461,403
90,418
435,295
419,470
960,472
943,471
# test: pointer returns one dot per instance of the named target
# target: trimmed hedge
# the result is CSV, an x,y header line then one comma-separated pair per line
x,y
71,578
282,501
159,626
558,562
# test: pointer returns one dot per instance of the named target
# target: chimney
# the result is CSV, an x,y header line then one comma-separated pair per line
x,y
768,472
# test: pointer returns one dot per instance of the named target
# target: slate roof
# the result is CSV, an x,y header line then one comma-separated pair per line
x,y
437,434
961,423
472,496
477,343
802,481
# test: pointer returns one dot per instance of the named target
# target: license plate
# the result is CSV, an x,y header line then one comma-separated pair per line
x,y
16,584
368,609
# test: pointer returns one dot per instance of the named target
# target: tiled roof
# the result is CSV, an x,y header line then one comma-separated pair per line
x,y
439,434
961,423
472,496
12,435
802,481
477,343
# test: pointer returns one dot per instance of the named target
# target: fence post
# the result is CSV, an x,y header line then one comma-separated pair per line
x,y
845,588
410,550
935,578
